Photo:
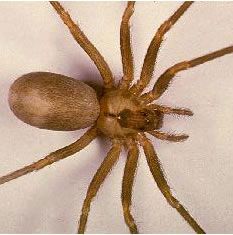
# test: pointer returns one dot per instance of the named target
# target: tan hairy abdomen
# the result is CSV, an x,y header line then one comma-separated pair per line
x,y
52,101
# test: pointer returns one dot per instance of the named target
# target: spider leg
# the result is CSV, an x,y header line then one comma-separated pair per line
x,y
169,110
87,46
126,52
54,156
169,137
163,81
127,185
96,182
153,49
155,168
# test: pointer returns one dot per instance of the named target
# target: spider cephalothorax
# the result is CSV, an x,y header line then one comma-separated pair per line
x,y
123,114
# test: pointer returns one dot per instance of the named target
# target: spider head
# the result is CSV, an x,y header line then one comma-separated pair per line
x,y
122,115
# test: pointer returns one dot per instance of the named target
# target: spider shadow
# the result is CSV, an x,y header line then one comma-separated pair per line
x,y
88,76
82,69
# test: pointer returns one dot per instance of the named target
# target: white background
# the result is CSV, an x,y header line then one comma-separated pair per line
x,y
33,38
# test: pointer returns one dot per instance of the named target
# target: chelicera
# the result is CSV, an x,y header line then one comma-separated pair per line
x,y
124,114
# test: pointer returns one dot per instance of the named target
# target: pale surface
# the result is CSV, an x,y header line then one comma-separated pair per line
x,y
199,170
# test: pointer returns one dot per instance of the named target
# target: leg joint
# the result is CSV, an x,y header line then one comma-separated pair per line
x,y
173,201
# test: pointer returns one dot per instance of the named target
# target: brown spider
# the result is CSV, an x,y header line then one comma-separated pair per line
x,y
126,123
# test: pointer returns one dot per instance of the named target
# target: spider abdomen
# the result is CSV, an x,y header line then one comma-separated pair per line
x,y
53,101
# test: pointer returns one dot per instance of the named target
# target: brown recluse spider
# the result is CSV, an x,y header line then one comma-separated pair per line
x,y
124,114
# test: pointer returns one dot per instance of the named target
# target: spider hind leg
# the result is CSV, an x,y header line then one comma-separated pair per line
x,y
53,157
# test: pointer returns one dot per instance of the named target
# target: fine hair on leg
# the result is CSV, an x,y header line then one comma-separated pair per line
x,y
169,137
156,171
96,182
59,154
127,184
87,46
153,49
164,80
168,110
126,51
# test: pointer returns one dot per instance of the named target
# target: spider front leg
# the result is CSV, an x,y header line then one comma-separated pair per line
x,y
87,46
126,52
153,49
169,110
164,80
127,184
62,153
96,182
169,137
155,168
